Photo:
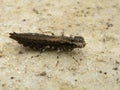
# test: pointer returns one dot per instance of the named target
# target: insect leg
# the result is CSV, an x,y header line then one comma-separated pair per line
x,y
62,33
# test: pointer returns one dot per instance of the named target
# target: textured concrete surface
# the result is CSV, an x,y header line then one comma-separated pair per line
x,y
95,67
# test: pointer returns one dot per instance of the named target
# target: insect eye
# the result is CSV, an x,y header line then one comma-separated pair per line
x,y
79,39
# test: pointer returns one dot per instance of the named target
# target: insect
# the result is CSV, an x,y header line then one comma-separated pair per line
x,y
44,42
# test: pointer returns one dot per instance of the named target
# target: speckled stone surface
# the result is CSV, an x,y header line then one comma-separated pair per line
x,y
95,67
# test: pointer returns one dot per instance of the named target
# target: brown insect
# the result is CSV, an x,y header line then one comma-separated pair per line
x,y
48,42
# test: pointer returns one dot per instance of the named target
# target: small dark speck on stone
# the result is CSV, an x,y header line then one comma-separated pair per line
x,y
24,20
35,11
106,28
43,74
117,62
20,52
76,80
100,71
110,25
88,7
78,2
102,52
117,79
3,85
11,77
87,12
115,68
69,25
105,73
80,59
1,56
109,19
57,57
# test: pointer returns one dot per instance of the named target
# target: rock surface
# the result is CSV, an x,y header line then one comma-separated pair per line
x,y
95,67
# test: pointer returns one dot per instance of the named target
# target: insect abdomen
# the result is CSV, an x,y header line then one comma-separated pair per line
x,y
41,44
